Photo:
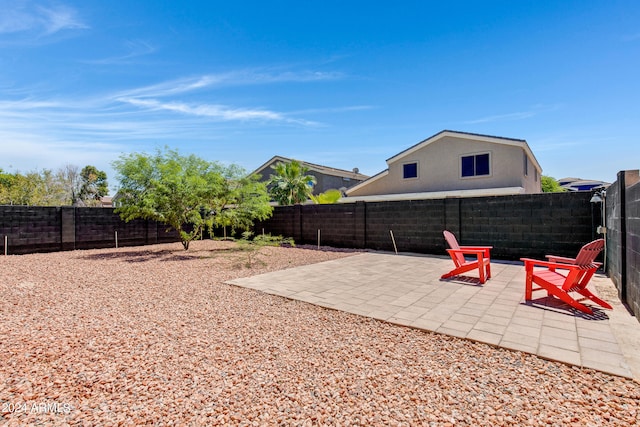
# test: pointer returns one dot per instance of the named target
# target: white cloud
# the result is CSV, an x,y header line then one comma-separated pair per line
x,y
218,112
520,115
59,18
29,17
502,117
233,78
134,48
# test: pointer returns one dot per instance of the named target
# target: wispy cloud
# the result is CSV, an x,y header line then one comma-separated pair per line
x,y
163,96
173,87
336,109
520,115
25,16
502,117
57,18
232,78
63,129
134,49
218,112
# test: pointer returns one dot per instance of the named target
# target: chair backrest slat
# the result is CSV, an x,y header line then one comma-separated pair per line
x,y
589,252
453,244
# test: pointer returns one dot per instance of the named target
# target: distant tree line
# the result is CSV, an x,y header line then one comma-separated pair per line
x,y
67,186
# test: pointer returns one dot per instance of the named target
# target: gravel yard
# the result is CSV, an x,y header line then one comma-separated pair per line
x,y
152,335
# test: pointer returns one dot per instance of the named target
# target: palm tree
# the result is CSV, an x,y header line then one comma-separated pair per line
x,y
290,184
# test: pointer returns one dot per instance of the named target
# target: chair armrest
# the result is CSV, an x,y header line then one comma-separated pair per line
x,y
468,251
486,250
530,263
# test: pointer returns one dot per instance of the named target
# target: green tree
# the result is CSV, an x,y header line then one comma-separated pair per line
x,y
328,197
290,184
53,189
46,188
19,189
188,193
550,185
93,185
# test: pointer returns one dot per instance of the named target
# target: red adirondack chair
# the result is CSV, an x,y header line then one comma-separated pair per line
x,y
579,271
482,262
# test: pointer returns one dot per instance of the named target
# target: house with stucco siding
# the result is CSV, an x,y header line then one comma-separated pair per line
x,y
452,163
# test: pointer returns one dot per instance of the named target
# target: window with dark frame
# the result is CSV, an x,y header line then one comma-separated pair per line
x,y
476,165
410,170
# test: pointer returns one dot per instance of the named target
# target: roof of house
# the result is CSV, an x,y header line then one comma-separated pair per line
x,y
471,136
574,184
315,167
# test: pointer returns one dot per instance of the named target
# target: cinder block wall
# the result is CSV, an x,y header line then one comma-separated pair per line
x,y
614,235
516,226
45,229
36,228
623,237
633,248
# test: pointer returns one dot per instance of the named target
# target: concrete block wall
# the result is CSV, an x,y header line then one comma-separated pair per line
x,y
336,224
516,226
44,229
38,228
633,248
416,225
623,237
286,223
615,235
531,225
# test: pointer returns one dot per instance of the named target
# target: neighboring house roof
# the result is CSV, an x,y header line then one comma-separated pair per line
x,y
579,184
314,167
450,133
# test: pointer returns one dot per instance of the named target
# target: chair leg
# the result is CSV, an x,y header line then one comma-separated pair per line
x,y
528,290
481,269
481,273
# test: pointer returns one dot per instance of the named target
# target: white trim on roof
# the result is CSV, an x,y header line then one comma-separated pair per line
x,y
482,192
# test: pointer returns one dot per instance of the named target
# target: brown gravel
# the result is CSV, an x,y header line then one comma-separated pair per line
x,y
151,335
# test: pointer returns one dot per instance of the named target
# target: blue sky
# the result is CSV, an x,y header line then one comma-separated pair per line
x,y
340,83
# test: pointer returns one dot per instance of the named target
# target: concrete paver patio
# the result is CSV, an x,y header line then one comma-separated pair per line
x,y
406,289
